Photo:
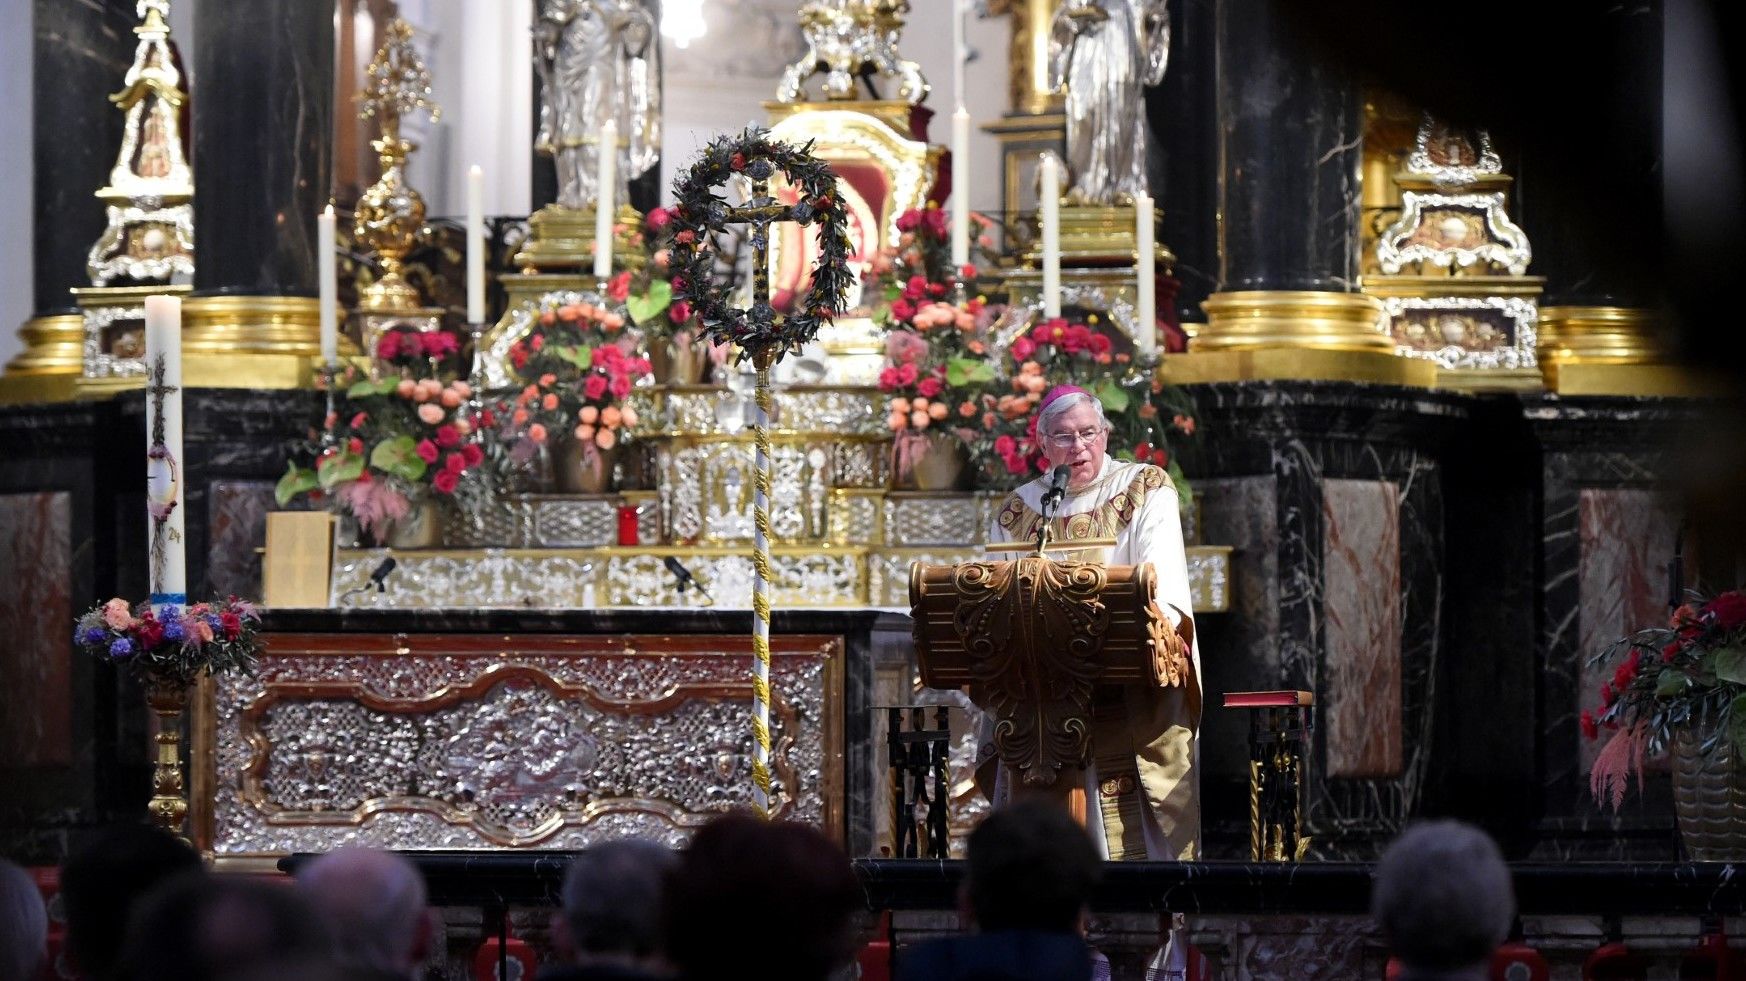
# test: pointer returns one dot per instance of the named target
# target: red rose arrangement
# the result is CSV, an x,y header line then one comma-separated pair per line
x,y
386,445
578,366
1687,676
418,353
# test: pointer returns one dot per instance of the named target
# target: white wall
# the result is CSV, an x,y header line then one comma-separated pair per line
x,y
16,281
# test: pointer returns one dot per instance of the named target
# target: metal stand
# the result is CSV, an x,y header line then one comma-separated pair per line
x,y
1279,738
918,759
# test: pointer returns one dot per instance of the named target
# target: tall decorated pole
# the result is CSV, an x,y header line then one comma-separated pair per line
x,y
759,333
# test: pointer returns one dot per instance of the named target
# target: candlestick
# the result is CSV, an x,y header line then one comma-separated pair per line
x,y
168,572
1050,192
960,190
325,252
604,205
475,245
1146,270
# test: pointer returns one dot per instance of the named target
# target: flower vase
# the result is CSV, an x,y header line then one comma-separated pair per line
x,y
421,528
680,360
1709,798
168,699
583,468
941,463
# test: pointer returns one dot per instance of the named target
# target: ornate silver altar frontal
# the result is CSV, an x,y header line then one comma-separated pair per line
x,y
452,742
712,411
706,486
1486,332
556,521
596,578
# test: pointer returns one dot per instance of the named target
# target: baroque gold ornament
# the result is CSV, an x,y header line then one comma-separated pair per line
x,y
390,215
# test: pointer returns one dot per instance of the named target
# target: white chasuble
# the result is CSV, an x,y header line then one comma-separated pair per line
x,y
1135,504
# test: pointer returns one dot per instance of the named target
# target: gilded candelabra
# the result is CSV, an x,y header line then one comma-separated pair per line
x,y
390,215
168,699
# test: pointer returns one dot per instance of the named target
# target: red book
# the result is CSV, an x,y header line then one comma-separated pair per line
x,y
1268,699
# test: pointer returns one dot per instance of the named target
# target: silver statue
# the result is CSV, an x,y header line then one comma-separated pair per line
x,y
1106,52
597,60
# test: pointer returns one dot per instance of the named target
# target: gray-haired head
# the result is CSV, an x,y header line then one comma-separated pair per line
x,y
1066,403
23,924
613,896
1443,897
374,904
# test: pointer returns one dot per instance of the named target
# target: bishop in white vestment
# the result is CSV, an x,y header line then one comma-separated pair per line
x,y
1142,789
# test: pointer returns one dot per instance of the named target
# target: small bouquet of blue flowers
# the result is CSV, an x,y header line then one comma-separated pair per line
x,y
172,645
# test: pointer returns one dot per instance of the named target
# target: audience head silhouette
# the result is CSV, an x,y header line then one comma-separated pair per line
x,y
1031,867
102,881
739,875
373,904
23,924
1443,899
226,928
612,910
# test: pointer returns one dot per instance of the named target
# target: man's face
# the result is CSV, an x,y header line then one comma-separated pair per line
x,y
1082,454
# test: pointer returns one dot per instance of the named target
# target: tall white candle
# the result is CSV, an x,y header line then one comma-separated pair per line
x,y
327,273
606,176
1050,191
960,188
960,54
475,245
1146,271
165,477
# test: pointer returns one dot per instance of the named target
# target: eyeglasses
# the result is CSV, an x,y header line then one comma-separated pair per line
x,y
1066,441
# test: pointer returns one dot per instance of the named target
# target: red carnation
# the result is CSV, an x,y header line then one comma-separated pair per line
x,y
907,221
903,310
1023,348
355,445
594,387
472,454
447,435
685,237
445,481
658,219
231,624
929,387
1607,695
738,162
1729,609
1589,729
358,420
619,288
679,312
888,378
620,386
1100,344
906,374
148,631
427,451
455,463
1671,651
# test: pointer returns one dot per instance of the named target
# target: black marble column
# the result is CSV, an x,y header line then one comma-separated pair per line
x,y
80,55
1184,170
263,137
1289,149
1593,212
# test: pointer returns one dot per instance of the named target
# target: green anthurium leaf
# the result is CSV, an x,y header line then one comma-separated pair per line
x,y
1113,396
367,388
1737,721
398,457
1671,683
579,355
645,307
1730,665
967,371
296,480
330,471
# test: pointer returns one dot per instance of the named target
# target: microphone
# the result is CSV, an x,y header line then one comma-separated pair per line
x,y
1057,487
380,574
684,576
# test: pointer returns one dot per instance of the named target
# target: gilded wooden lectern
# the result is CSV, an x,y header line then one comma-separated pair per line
x,y
1041,646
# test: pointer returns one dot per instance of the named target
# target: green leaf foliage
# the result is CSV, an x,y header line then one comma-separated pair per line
x,y
296,480
367,388
1737,722
1112,395
1730,665
1670,683
579,355
398,457
967,371
331,471
645,307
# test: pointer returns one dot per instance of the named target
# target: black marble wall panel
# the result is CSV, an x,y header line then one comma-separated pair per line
x,y
80,53
263,137
1290,129
1601,563
1356,449
237,519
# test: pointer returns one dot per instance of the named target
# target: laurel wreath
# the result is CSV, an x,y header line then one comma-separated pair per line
x,y
701,213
